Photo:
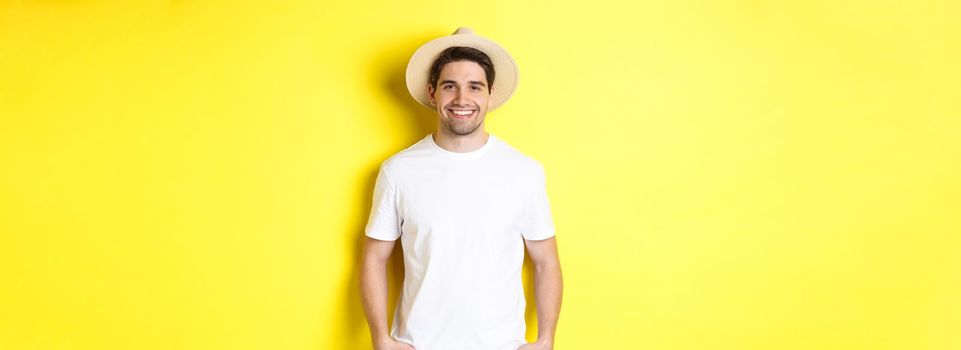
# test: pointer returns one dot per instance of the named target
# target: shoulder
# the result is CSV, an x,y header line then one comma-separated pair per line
x,y
519,160
406,158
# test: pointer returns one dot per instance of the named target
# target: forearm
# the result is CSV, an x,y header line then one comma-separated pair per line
x,y
373,286
548,290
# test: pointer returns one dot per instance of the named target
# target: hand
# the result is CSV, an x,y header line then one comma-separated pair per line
x,y
538,345
391,344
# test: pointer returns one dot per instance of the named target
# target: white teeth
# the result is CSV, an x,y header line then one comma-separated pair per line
x,y
462,112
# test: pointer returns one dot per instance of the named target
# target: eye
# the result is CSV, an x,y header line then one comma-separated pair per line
x,y
448,86
475,87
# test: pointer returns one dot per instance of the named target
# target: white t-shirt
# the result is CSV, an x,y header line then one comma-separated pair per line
x,y
462,219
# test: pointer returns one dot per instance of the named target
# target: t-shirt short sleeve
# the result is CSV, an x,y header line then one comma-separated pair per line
x,y
383,223
537,223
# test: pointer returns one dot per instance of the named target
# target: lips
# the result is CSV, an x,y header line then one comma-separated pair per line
x,y
459,113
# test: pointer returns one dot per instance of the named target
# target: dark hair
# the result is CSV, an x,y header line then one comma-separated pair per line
x,y
462,53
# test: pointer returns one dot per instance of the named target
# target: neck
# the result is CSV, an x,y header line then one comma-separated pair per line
x,y
460,143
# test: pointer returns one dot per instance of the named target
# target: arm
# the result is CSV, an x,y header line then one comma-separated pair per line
x,y
373,286
548,287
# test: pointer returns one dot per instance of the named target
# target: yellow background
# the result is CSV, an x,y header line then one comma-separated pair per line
x,y
723,174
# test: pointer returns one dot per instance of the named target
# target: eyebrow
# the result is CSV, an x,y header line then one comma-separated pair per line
x,y
472,82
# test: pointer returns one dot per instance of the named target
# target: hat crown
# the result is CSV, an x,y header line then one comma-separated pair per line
x,y
464,30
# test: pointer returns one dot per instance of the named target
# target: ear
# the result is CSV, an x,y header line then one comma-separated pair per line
x,y
490,101
430,92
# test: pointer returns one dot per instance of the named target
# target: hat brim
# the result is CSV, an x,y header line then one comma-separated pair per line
x,y
418,69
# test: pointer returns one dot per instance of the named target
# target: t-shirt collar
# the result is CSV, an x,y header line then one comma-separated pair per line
x,y
491,139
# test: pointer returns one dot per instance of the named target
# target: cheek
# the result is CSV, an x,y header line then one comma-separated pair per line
x,y
442,97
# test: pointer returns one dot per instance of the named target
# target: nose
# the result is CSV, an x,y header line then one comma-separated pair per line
x,y
461,98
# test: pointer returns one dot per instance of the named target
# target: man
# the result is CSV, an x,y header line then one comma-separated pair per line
x,y
464,204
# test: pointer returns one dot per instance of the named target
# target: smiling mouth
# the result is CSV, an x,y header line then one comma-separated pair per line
x,y
461,113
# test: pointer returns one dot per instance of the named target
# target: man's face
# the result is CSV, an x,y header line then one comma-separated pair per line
x,y
461,98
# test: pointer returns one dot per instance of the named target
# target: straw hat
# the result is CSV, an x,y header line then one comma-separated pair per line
x,y
418,69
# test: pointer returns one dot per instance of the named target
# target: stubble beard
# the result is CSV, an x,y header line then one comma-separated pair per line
x,y
462,128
